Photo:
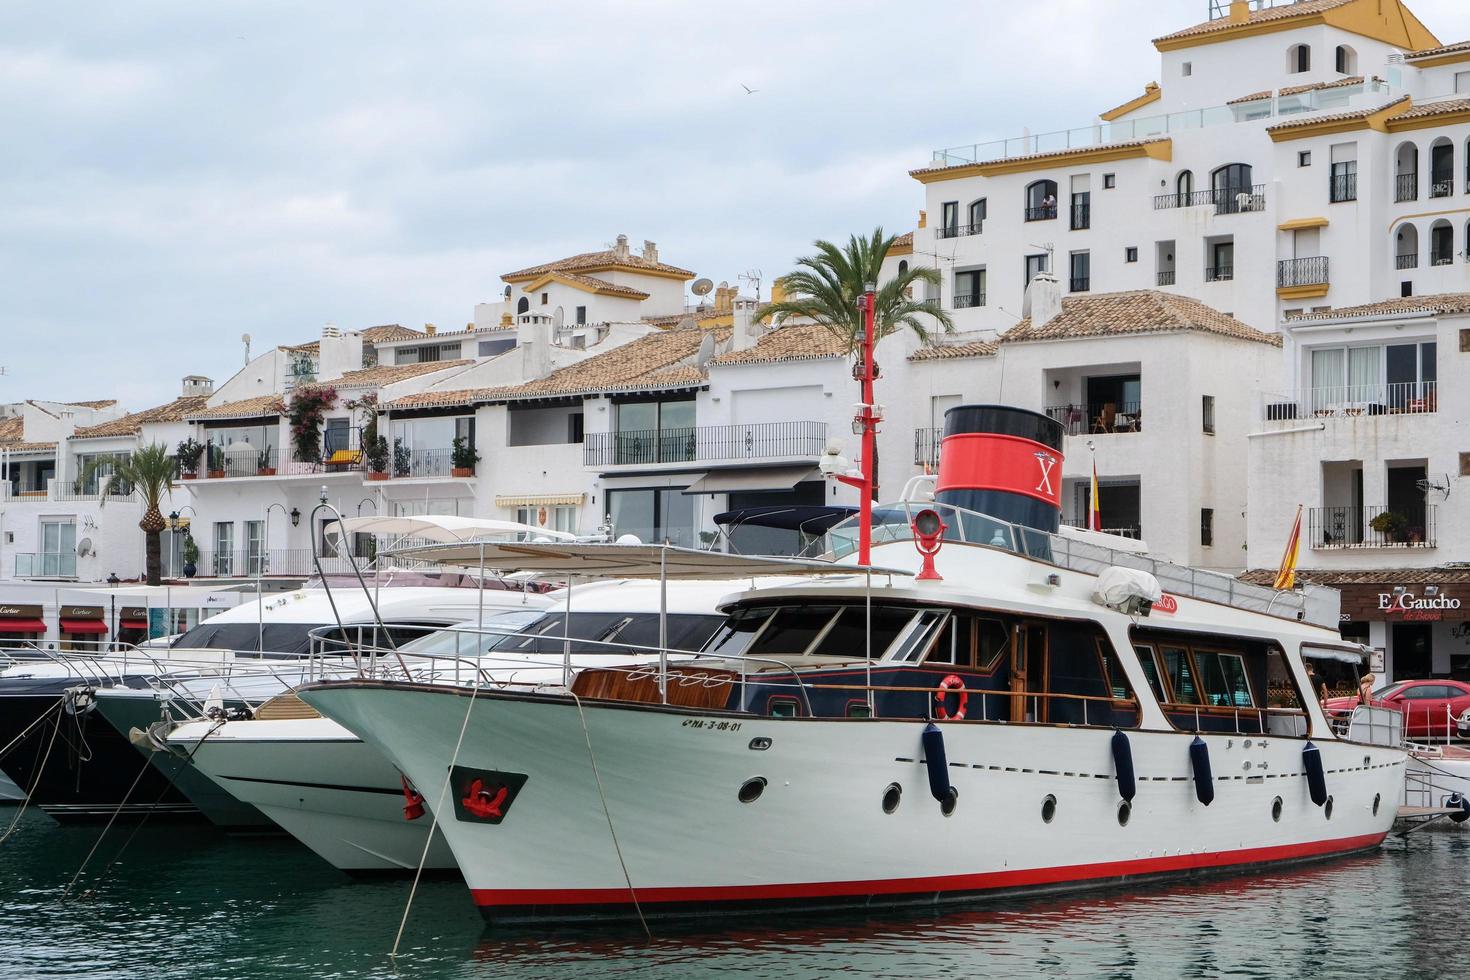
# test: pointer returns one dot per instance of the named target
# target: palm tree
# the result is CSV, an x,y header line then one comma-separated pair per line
x,y
825,288
150,471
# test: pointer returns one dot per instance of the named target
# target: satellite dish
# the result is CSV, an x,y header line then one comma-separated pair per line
x,y
84,547
701,287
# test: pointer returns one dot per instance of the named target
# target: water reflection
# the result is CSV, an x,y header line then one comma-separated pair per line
x,y
188,902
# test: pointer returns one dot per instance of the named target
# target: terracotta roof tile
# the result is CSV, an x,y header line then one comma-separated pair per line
x,y
605,259
1090,148
1137,312
246,408
1319,86
12,436
1442,49
1440,303
389,373
1301,8
947,352
390,332
131,424
1253,97
1428,110
1313,118
799,342
599,285
99,403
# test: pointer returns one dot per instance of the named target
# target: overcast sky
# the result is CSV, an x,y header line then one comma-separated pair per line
x,y
175,175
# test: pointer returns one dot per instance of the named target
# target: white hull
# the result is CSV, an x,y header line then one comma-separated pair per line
x,y
323,786
818,835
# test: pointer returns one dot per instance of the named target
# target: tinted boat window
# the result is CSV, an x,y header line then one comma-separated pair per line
x,y
1151,671
1181,675
792,631
278,637
739,629
917,638
847,637
1222,675
685,632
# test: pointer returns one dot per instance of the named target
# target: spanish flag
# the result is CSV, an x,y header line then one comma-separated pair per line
x,y
1286,576
1094,505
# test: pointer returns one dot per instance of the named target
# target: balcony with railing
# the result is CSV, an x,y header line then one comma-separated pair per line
x,y
46,564
965,301
1352,401
247,563
926,446
1406,260
1219,273
1080,284
1332,528
1225,200
421,464
1081,216
1343,187
1079,419
1442,255
959,231
1406,187
341,453
1310,271
1165,277
1134,531
705,444
1044,212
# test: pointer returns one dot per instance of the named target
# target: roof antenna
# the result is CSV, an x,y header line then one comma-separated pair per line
x,y
245,339
752,276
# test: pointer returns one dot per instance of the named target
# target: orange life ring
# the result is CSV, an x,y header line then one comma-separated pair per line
x,y
950,683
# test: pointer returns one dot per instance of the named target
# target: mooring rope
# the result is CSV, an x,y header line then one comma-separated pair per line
x,y
617,848
110,821
39,718
36,779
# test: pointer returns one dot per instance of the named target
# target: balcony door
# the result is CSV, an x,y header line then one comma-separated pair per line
x,y
656,431
1229,183
1407,500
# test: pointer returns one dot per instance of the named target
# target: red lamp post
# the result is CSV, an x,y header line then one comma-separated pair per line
x,y
866,422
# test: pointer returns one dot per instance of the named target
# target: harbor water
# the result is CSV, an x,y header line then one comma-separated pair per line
x,y
165,902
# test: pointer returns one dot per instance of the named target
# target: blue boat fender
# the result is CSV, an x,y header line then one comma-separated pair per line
x,y
1123,766
1204,779
1316,778
938,765
1458,802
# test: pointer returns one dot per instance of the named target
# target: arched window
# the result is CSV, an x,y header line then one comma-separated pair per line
x,y
903,266
1298,59
524,306
1406,172
977,216
1184,187
1231,186
1441,168
1441,243
1041,200
1347,60
1406,246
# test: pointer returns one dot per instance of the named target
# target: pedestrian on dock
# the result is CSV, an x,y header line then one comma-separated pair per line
x,y
1365,688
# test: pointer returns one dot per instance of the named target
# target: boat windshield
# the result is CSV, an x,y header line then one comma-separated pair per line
x,y
894,522
780,631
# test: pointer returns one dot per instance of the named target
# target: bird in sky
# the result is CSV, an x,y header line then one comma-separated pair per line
x,y
748,89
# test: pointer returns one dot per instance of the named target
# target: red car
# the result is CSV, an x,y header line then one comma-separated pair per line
x,y
1432,708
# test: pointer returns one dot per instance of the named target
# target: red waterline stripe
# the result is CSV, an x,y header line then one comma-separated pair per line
x,y
490,897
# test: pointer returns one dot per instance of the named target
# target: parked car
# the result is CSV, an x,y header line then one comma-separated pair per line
x,y
1431,707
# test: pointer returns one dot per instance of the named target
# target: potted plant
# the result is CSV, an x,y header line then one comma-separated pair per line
x,y
216,461
375,451
306,413
463,458
265,463
191,556
402,459
1389,523
188,453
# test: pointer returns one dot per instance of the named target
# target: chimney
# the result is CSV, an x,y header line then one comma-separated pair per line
x,y
338,353
430,329
620,250
650,251
330,330
778,289
1240,11
534,337
725,297
745,332
923,219
1043,299
197,384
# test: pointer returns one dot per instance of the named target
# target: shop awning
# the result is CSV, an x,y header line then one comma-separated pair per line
x,y
541,500
738,481
83,626
133,624
22,626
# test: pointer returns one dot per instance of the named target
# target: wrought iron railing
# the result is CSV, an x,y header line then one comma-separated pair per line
x,y
1406,260
1219,273
74,491
1302,272
1044,213
1442,257
1079,419
1081,216
1441,186
959,231
964,301
1352,401
926,446
1411,526
250,563
1225,200
1166,277
707,443
1343,187
1406,187
1080,284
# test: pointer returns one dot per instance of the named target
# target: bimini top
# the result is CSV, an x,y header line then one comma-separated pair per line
x,y
594,560
441,527
810,519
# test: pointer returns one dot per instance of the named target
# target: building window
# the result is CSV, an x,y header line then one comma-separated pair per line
x,y
545,298
949,219
1406,288
654,515
1222,262
523,305
58,549
1344,181
581,314
1209,414
969,288
1298,59
1081,210
255,548
1304,158
655,431
1035,265
1041,200
1346,61
1187,69
575,427
1081,277
978,214
1110,181
1207,527
561,517
224,547
1130,254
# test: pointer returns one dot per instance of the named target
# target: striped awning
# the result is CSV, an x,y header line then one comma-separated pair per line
x,y
540,500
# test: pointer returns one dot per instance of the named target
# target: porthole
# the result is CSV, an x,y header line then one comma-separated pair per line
x,y
1328,808
1276,809
891,796
1048,808
947,807
751,789
1377,798
1125,810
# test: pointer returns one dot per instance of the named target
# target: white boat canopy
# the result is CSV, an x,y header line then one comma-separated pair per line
x,y
446,528
595,560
